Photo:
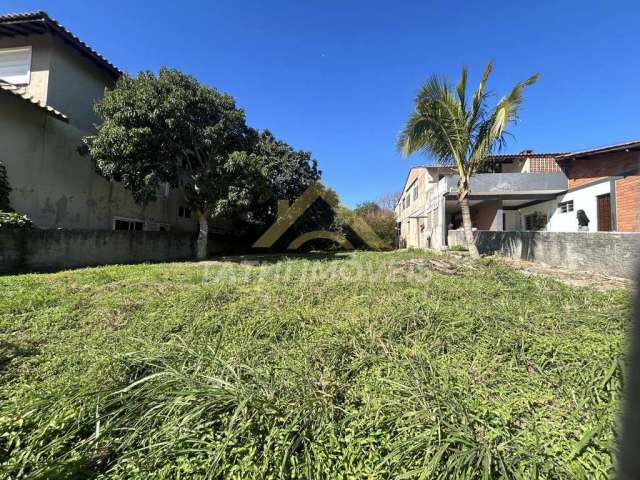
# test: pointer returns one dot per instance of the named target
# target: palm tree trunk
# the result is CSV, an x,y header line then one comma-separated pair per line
x,y
203,235
466,223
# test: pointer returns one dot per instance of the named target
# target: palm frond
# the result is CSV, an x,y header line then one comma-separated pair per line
x,y
447,128
415,134
481,93
461,88
491,131
478,106
508,107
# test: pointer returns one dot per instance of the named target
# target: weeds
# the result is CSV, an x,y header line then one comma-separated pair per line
x,y
152,371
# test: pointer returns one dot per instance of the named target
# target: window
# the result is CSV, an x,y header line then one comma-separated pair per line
x,y
408,200
565,207
184,212
156,227
528,222
415,193
134,224
15,65
127,224
535,221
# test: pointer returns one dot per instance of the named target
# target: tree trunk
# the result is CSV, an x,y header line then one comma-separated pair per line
x,y
466,223
203,235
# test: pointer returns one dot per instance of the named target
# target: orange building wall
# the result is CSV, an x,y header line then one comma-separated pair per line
x,y
628,204
483,215
586,170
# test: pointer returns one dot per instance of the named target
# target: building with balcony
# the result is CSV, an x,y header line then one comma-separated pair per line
x,y
591,190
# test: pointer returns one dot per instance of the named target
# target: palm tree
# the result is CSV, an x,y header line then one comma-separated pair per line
x,y
459,132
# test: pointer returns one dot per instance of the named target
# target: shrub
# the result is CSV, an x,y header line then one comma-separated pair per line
x,y
5,189
15,221
381,220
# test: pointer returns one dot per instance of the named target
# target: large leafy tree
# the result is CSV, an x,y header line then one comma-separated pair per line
x,y
171,129
289,173
460,131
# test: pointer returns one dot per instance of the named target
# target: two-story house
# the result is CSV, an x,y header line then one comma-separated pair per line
x,y
49,82
415,219
590,190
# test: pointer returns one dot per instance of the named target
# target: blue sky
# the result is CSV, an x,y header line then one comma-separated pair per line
x,y
338,78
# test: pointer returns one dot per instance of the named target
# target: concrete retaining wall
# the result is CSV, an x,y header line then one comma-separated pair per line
x,y
60,249
614,254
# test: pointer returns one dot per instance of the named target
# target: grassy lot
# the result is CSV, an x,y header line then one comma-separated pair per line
x,y
348,367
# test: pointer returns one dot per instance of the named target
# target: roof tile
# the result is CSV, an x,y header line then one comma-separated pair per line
x,y
13,90
12,19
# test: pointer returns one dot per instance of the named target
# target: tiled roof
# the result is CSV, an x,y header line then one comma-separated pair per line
x,y
16,91
526,154
609,148
432,166
17,24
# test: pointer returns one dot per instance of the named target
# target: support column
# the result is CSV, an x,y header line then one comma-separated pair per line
x,y
442,223
499,216
614,209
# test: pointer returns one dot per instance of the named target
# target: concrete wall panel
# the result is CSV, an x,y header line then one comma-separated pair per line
x,y
615,254
61,249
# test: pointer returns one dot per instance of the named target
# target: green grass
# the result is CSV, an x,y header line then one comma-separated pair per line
x,y
346,368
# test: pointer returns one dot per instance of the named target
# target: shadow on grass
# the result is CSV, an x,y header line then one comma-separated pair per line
x,y
256,259
10,351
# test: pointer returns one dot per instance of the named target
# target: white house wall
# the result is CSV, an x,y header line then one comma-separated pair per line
x,y
584,198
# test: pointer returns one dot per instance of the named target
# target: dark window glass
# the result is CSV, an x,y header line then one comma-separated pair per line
x,y
535,222
528,222
184,212
121,225
566,206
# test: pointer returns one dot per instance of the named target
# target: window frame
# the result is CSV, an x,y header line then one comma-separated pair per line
x,y
184,212
29,62
161,227
566,207
130,221
530,218
528,222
